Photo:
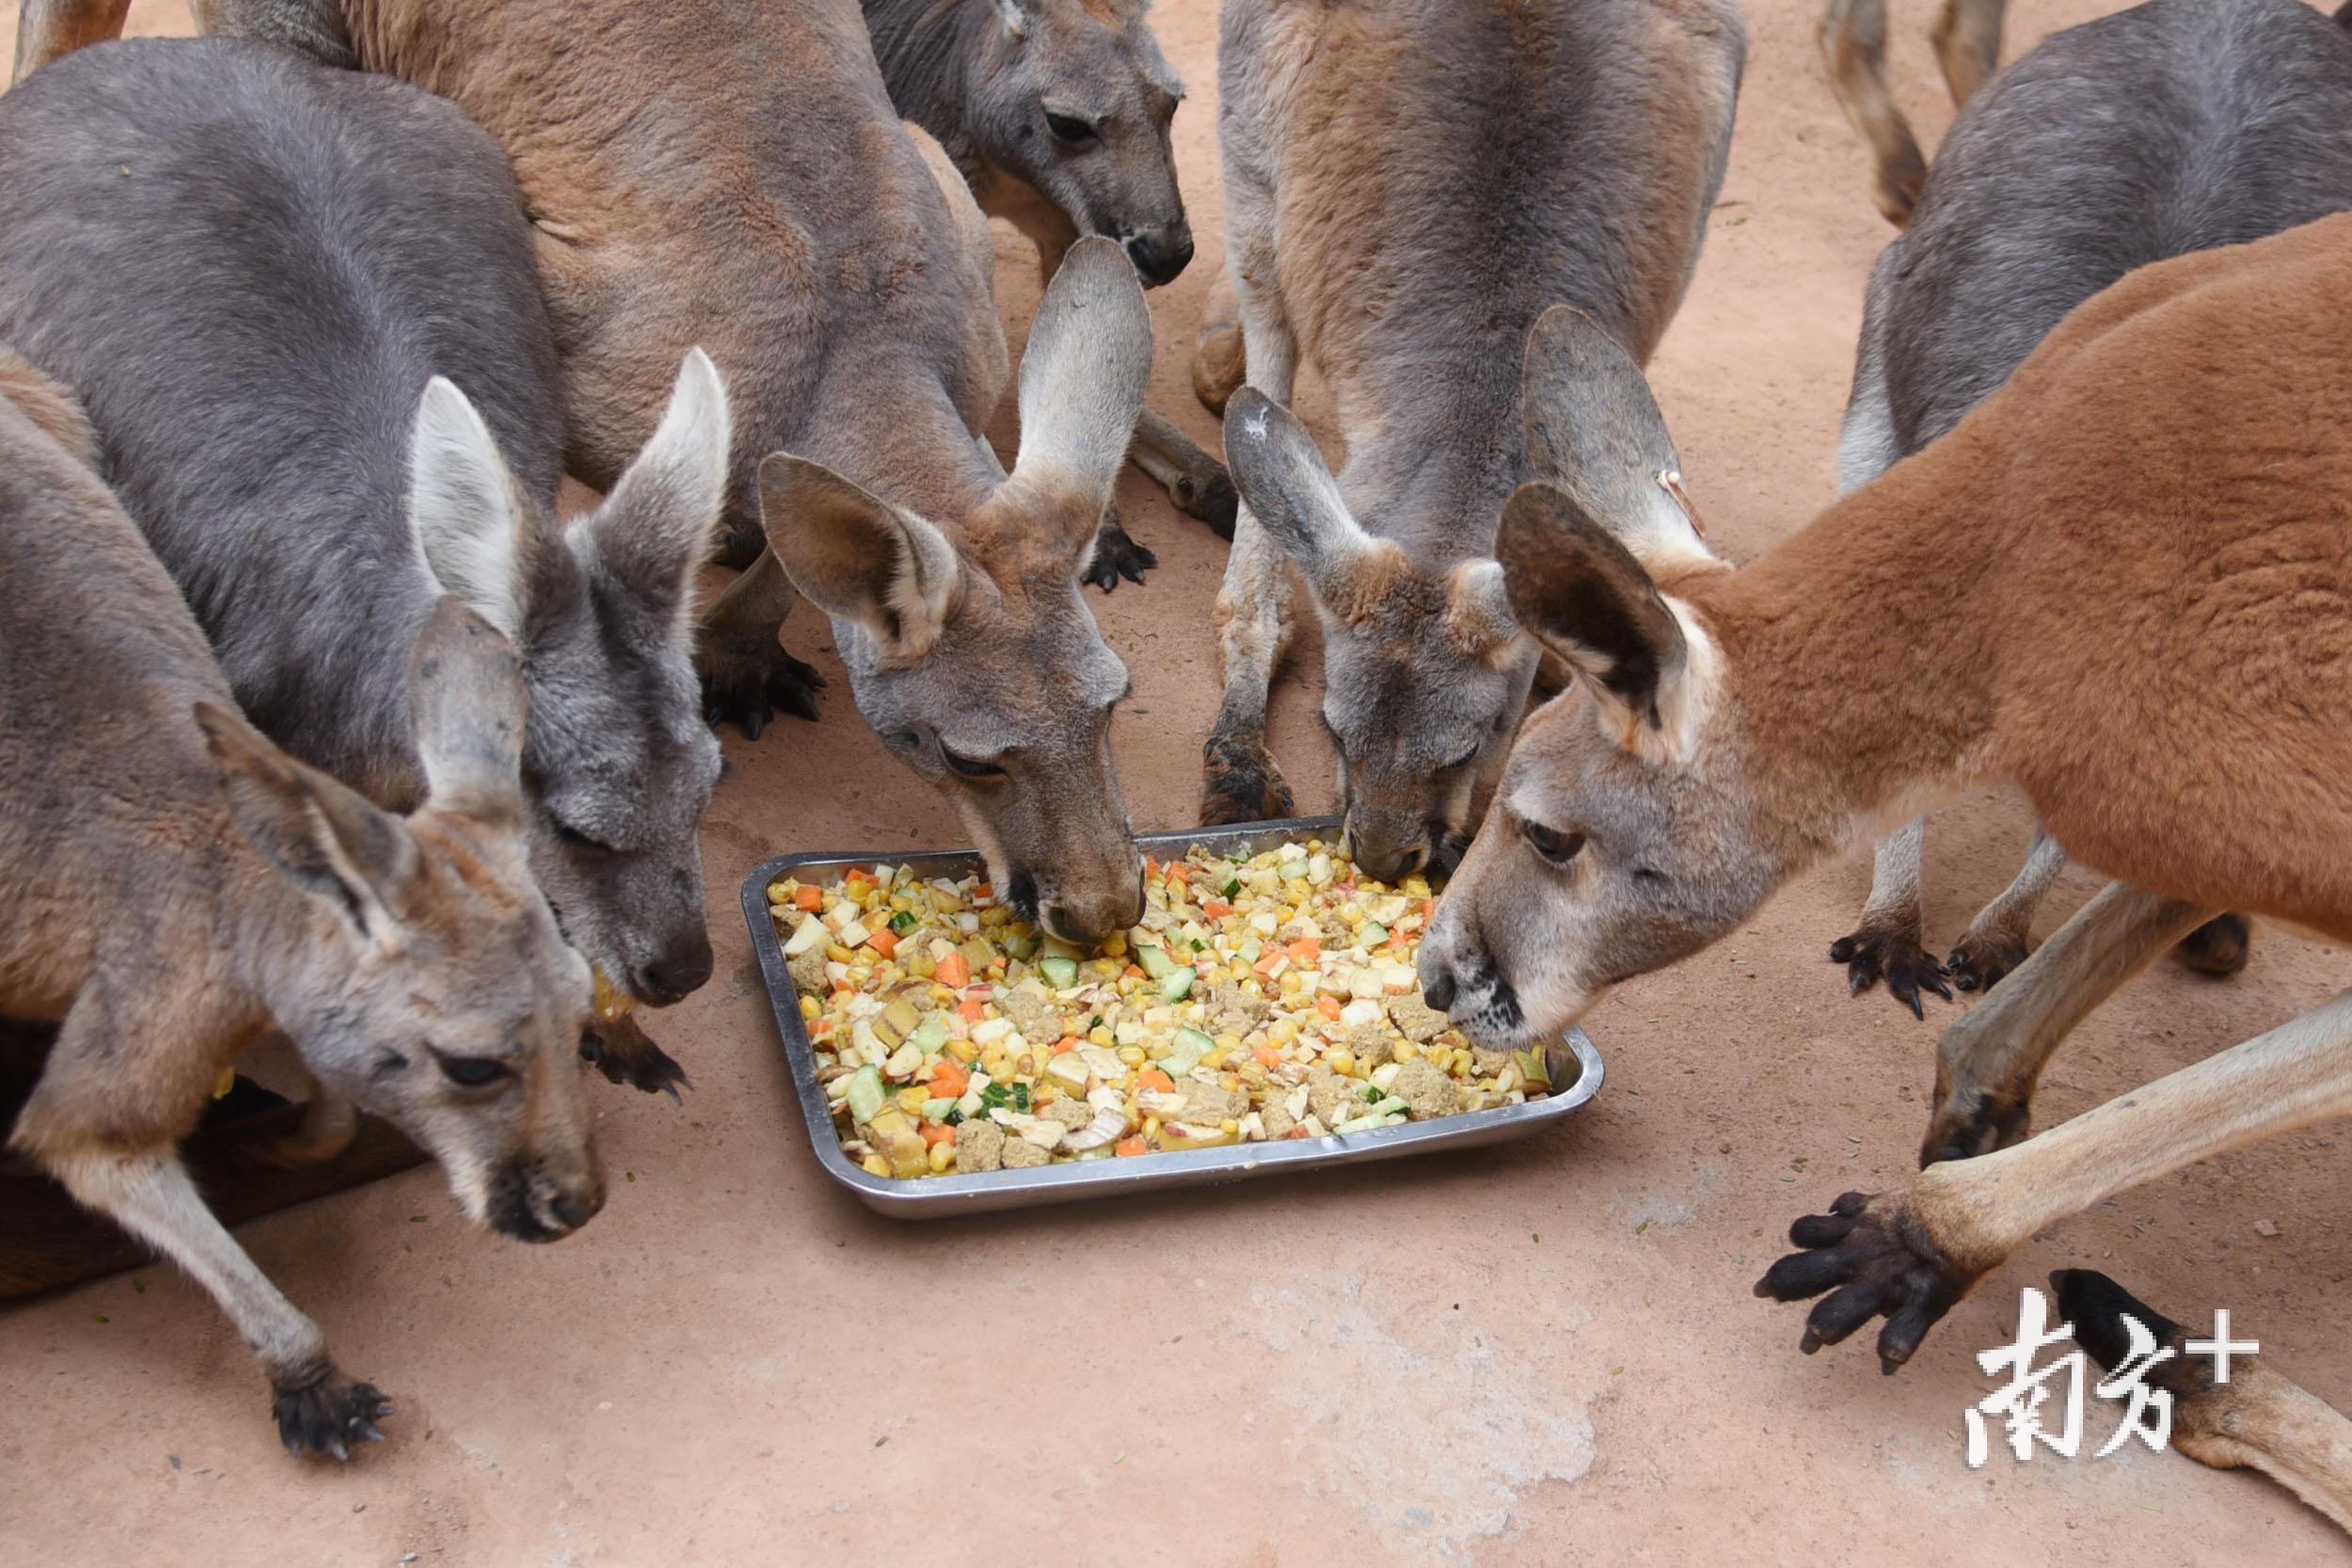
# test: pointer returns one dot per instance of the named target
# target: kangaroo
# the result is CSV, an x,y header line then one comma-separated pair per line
x,y
1056,111
2258,1419
674,201
1853,44
2123,582
179,887
1408,185
250,313
2173,126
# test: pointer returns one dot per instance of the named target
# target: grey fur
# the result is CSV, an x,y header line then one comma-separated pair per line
x,y
248,267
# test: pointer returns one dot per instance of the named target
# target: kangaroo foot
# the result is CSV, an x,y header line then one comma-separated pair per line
x,y
1876,953
2220,947
1117,555
329,1413
1240,782
1876,1259
627,1055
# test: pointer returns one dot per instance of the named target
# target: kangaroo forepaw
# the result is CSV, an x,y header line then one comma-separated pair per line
x,y
330,1414
1978,962
1901,178
1240,782
1117,555
1875,1258
753,688
2220,947
1208,495
1969,1123
627,1055
1872,955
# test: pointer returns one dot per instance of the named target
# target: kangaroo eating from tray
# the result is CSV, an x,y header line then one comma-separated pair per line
x,y
251,270
2124,583
1409,188
178,887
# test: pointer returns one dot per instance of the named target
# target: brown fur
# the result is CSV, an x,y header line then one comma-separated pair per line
x,y
1967,38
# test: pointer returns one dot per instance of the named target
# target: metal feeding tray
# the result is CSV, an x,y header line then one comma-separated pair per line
x,y
1574,1066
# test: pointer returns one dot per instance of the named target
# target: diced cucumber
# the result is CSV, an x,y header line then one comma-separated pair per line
x,y
1156,961
933,1036
1187,1046
936,1110
1060,974
1371,934
1021,945
1249,950
866,1094
1177,986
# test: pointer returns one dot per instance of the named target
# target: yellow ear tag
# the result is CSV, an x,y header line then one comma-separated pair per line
x,y
222,1084
609,1001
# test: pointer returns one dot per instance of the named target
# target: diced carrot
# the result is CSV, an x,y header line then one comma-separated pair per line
x,y
1153,1078
858,874
1268,1056
1131,1145
1151,866
1132,972
1305,950
821,1029
937,1132
1176,872
1328,1007
808,898
1064,1047
983,890
1269,960
950,1080
884,941
972,1009
1428,908
954,970
1216,909
1296,1132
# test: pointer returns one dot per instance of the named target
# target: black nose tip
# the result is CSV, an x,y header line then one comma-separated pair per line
x,y
1161,260
574,1210
1439,991
676,975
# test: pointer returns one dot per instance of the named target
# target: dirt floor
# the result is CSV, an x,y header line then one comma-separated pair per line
x,y
1543,1354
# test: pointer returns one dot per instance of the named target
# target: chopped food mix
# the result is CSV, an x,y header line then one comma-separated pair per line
x,y
1270,996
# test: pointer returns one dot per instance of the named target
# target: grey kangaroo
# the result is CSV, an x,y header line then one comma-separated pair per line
x,y
2177,125
1410,185
1057,113
268,282
177,887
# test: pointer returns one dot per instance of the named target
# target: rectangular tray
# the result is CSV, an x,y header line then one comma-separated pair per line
x,y
1573,1064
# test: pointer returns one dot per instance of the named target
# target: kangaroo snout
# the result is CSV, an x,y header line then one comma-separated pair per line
x,y
1085,917
1160,255
677,972
534,1203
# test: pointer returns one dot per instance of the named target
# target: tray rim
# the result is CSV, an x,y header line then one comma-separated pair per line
x,y
938,1196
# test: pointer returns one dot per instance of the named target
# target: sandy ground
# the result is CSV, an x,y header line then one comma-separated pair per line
x,y
1543,1354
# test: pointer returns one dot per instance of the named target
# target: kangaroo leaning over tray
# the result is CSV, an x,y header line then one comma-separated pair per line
x,y
2174,126
1057,113
250,268
2124,583
1409,185
177,887
665,155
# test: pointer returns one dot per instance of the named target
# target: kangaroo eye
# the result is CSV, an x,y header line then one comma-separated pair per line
x,y
572,838
1557,848
472,1072
1071,133
971,768
1461,762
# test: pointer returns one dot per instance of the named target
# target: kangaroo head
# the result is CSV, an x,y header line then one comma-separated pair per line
x,y
1621,837
1073,97
617,763
969,649
1426,673
431,986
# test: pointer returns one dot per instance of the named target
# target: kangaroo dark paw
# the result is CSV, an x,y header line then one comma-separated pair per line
x,y
628,1057
1208,495
1979,963
330,1414
752,689
1875,1258
1116,556
1896,956
2220,947
1240,782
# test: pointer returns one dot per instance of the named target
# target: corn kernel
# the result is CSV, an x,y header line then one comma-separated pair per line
x,y
810,1011
1152,1128
994,915
779,894
942,1157
1407,1050
922,966
1290,983
1342,1062
1281,1032
911,1099
941,993
1132,1055
840,953
1213,1059
1228,1125
963,1051
1115,945
1229,1043
875,1165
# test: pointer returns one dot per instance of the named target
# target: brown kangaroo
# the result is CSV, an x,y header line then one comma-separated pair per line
x,y
2122,583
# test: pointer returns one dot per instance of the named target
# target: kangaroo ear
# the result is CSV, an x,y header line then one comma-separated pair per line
x,y
1015,16
1082,383
656,526
466,693
464,508
1290,491
1478,616
1593,429
858,557
319,836
1585,598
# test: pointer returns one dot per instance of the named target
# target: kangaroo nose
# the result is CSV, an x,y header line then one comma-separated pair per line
x,y
676,974
1386,860
574,1210
1438,989
1161,257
